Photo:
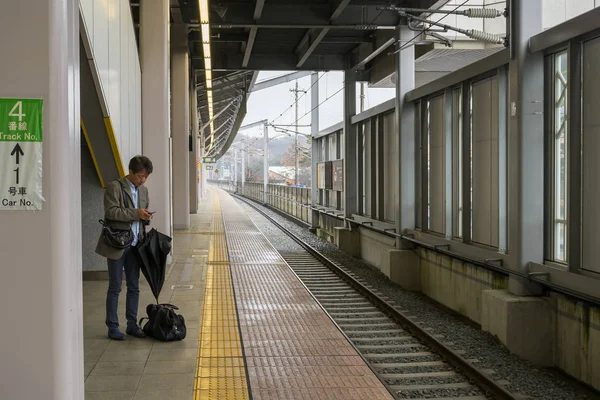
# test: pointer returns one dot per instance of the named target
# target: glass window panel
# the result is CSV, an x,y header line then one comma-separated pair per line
x,y
560,157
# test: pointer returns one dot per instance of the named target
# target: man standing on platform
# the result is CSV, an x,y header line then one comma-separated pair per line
x,y
126,204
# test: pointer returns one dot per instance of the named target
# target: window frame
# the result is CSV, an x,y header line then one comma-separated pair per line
x,y
551,219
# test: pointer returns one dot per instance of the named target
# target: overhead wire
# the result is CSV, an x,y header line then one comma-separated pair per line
x,y
406,44
325,73
400,49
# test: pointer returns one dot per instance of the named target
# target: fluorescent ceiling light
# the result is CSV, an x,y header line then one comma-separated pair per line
x,y
208,74
203,10
206,49
205,30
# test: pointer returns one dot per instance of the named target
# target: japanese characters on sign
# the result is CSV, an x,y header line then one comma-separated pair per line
x,y
21,154
338,175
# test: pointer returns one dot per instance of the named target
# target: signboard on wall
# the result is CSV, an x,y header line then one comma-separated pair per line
x,y
21,154
338,175
321,175
325,175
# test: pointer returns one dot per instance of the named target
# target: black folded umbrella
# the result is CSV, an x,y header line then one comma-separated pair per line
x,y
152,254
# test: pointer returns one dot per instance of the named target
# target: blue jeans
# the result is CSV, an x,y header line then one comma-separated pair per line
x,y
115,277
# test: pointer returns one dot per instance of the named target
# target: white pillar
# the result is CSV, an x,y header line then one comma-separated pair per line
x,y
203,171
315,155
405,160
181,139
194,184
266,165
235,168
244,152
41,345
350,146
154,49
526,145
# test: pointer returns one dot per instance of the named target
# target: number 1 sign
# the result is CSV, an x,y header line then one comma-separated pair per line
x,y
21,154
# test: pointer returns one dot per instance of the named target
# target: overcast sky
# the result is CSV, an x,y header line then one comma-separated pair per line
x,y
270,103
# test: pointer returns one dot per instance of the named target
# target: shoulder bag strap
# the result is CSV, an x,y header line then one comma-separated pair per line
x,y
125,201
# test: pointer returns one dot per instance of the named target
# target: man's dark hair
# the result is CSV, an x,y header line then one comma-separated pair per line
x,y
140,163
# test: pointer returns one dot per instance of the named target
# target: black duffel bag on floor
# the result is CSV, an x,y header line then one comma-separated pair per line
x,y
164,323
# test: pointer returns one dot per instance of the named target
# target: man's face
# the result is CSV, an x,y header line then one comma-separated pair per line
x,y
139,178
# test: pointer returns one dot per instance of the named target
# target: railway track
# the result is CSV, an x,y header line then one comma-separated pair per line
x,y
410,361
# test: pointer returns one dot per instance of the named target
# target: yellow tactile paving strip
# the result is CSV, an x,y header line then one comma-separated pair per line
x,y
220,372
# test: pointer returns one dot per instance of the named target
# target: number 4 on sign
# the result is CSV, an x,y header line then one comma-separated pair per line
x,y
18,108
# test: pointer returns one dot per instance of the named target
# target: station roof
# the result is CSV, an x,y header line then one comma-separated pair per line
x,y
248,36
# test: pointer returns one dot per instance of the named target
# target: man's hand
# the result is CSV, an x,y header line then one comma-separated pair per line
x,y
144,214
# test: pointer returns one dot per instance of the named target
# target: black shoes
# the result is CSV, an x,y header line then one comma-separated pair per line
x,y
136,331
116,334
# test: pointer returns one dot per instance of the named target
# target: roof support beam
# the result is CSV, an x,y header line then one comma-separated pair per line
x,y
366,53
338,8
374,54
277,62
249,46
279,80
258,9
313,45
176,12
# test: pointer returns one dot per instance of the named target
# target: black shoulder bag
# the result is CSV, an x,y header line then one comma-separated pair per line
x,y
114,237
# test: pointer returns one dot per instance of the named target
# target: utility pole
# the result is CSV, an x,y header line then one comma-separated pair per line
x,y
296,91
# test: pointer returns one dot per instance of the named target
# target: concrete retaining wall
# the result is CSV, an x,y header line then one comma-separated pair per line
x,y
577,339
456,284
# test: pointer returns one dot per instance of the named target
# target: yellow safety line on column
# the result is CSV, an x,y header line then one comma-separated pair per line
x,y
220,372
92,153
112,139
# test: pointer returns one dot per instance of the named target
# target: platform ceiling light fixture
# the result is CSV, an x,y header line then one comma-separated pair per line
x,y
205,32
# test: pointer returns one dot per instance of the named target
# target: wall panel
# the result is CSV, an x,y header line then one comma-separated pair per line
x,y
112,39
390,173
558,11
485,162
591,161
437,170
367,168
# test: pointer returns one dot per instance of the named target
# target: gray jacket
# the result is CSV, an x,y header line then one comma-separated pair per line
x,y
117,216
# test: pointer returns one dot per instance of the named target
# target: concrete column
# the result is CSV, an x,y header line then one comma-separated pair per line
x,y
154,52
235,169
41,343
350,146
314,130
405,141
193,161
525,144
266,165
181,131
244,153
203,171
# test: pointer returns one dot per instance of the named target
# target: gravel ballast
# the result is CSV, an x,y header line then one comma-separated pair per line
x,y
522,377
